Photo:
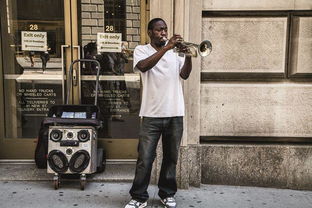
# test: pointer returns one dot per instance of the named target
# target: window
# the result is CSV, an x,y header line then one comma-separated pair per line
x,y
115,17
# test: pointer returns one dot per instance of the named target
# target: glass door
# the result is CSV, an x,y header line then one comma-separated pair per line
x,y
36,50
108,32
39,41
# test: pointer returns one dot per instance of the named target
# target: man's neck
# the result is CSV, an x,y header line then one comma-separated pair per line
x,y
157,47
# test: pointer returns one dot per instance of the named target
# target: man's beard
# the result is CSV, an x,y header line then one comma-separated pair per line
x,y
161,44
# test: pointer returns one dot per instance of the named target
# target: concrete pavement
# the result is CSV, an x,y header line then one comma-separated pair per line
x,y
22,185
40,194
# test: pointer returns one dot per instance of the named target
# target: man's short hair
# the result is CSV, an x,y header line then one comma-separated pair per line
x,y
152,23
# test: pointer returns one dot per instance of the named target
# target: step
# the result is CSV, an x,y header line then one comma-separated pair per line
x,y
116,171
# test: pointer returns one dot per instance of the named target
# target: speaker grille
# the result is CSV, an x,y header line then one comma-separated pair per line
x,y
58,161
56,135
83,135
79,161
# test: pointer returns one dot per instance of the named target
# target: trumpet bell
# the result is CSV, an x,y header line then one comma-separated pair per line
x,y
204,48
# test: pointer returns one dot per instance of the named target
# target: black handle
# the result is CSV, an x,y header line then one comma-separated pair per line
x,y
97,77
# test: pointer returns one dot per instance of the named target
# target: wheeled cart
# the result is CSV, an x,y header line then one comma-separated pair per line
x,y
57,181
71,132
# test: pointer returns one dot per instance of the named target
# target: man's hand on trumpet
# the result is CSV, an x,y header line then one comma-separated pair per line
x,y
176,42
181,48
173,41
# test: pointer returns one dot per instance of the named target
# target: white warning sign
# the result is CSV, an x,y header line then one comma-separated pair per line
x,y
109,42
34,41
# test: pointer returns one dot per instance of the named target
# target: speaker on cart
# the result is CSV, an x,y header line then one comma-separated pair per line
x,y
72,150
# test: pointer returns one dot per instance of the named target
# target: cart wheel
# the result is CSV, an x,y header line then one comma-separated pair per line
x,y
82,181
56,182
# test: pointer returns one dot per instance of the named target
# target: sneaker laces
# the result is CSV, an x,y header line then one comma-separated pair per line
x,y
170,201
135,203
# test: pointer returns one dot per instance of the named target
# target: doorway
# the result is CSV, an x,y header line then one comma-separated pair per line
x,y
40,38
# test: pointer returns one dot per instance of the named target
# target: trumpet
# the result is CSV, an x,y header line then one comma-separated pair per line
x,y
193,49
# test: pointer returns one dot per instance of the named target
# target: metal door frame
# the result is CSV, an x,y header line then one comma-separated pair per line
x,y
19,148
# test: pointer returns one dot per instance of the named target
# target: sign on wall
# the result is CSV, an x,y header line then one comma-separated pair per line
x,y
109,42
34,41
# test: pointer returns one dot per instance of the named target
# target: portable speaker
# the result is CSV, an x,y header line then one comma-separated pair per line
x,y
72,150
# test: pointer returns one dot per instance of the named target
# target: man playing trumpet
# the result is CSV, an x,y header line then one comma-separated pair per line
x,y
162,111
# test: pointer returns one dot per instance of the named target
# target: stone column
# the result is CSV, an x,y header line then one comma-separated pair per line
x,y
178,14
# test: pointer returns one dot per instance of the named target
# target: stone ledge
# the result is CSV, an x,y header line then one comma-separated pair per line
x,y
281,166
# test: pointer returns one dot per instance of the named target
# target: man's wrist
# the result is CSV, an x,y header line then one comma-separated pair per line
x,y
166,48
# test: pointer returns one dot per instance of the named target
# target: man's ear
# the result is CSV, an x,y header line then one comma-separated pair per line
x,y
149,33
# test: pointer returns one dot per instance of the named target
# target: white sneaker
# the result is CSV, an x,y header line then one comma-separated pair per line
x,y
169,202
136,204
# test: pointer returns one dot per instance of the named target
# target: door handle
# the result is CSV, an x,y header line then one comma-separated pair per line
x,y
76,73
63,71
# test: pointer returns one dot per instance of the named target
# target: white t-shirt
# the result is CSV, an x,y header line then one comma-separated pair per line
x,y
162,85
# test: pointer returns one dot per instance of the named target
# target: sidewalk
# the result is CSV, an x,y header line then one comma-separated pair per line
x,y
25,186
40,194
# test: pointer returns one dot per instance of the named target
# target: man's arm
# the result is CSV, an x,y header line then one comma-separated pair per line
x,y
186,68
148,63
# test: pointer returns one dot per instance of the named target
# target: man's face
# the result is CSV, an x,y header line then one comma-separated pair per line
x,y
158,34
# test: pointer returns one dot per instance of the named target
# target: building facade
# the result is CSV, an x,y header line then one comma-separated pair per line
x,y
247,104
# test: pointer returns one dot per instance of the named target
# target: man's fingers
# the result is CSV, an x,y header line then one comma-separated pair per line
x,y
177,37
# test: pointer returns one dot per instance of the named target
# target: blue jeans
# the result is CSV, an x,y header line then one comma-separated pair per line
x,y
171,129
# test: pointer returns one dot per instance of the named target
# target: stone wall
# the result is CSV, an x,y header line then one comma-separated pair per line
x,y
241,5
133,11
250,91
282,166
245,44
92,21
256,105
188,166
301,61
267,109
